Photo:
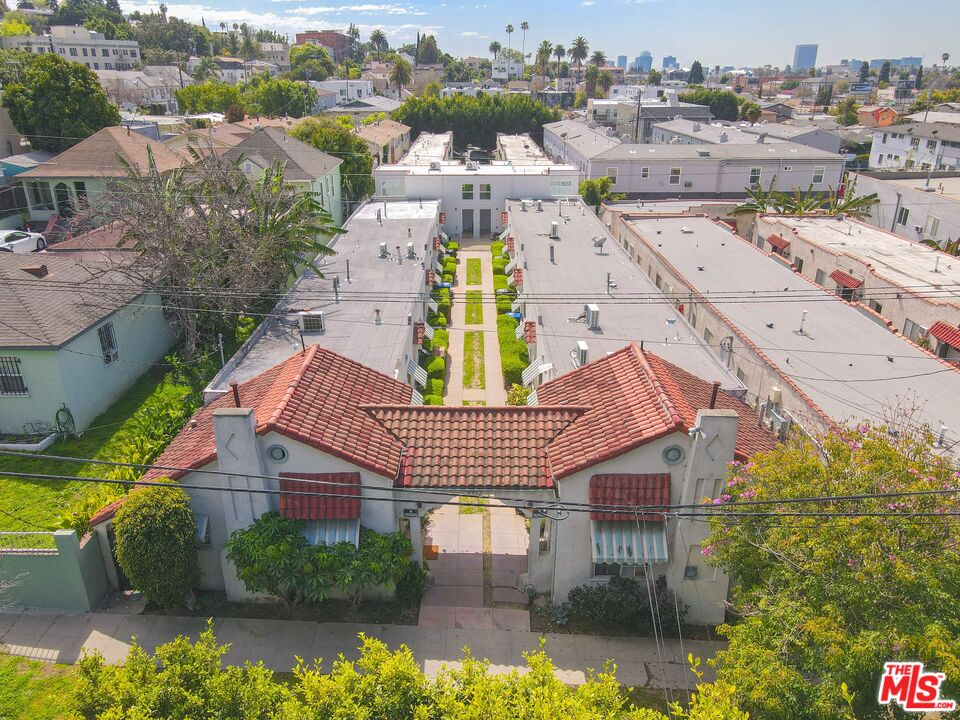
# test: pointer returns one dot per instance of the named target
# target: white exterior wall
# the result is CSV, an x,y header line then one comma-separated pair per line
x,y
346,89
897,151
572,540
506,69
448,188
898,310
920,205
87,47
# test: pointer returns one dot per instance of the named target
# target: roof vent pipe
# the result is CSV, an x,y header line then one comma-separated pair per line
x,y
236,393
713,394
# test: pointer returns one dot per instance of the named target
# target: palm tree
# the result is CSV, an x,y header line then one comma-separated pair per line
x,y
605,81
509,33
559,51
945,57
207,69
495,48
378,38
579,52
590,78
544,52
599,58
400,74
523,45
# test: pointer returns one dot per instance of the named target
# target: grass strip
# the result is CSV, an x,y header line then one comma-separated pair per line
x,y
473,361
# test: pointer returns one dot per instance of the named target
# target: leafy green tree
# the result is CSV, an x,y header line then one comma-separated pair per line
x,y
457,71
884,75
379,560
654,77
846,111
598,191
340,141
56,103
723,104
12,26
918,82
210,96
864,72
157,544
750,112
826,596
428,53
476,120
696,73
275,97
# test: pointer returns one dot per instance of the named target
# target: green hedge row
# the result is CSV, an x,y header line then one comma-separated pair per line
x,y
513,353
499,264
449,265
496,247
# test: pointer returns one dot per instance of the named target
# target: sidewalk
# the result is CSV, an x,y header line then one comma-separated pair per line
x,y
60,638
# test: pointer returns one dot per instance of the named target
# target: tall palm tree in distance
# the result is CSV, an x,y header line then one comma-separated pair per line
x,y
400,74
599,58
495,48
378,38
509,30
579,53
544,53
559,51
945,57
523,45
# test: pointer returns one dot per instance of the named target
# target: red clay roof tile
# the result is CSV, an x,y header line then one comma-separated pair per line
x,y
779,242
629,490
946,333
320,506
530,332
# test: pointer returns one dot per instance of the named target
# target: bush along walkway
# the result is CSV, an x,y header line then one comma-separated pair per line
x,y
435,358
474,372
513,352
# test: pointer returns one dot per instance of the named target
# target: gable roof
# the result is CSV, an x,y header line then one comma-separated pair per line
x,y
47,311
99,156
382,131
634,397
475,446
302,162
313,398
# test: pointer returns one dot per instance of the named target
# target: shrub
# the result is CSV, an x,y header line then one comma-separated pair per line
x,y
436,320
445,309
499,264
513,368
453,246
412,583
624,603
496,247
517,395
441,294
432,400
437,368
449,265
434,387
500,282
441,339
447,278
505,303
157,544
506,326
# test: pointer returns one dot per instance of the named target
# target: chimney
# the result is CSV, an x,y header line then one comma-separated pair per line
x,y
713,395
235,387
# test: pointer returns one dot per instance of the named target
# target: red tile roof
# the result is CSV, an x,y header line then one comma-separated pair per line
x,y
846,279
946,333
344,506
313,398
530,332
779,242
419,333
634,397
629,490
475,446
518,276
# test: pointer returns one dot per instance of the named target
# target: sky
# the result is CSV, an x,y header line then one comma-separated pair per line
x,y
739,33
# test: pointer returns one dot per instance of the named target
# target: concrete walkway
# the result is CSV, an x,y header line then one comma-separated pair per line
x,y
61,637
493,392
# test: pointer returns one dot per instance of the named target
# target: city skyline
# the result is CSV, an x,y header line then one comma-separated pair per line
x,y
664,26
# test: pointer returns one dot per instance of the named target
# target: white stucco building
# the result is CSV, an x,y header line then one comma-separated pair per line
x,y
916,146
78,44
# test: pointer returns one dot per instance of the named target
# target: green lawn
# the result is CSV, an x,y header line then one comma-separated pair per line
x,y
473,271
479,505
469,403
473,361
474,310
34,690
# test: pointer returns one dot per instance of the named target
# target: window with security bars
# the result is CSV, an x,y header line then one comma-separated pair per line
x,y
11,377
108,343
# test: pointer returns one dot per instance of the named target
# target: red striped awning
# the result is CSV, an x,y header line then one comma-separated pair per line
x,y
337,498
518,277
846,279
946,333
419,333
431,278
779,242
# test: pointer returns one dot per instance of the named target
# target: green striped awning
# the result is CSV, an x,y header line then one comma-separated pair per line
x,y
623,542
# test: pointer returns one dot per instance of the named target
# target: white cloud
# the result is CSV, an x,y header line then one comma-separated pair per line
x,y
357,9
472,34
588,3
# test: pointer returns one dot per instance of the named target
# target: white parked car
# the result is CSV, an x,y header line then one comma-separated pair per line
x,y
21,241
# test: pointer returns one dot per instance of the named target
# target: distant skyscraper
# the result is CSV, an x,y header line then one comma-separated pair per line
x,y
645,61
805,57
669,61
622,61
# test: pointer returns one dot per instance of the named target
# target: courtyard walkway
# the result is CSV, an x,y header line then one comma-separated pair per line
x,y
62,637
492,392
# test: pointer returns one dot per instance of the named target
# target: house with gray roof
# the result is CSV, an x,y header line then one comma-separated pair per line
x,y
306,168
66,344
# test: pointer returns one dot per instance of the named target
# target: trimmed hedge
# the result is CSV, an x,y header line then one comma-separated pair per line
x,y
447,278
432,400
514,357
436,320
453,246
496,247
437,368
500,282
513,368
505,303
499,264
441,339
434,387
449,265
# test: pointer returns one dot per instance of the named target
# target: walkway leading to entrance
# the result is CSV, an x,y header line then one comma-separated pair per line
x,y
475,556
493,392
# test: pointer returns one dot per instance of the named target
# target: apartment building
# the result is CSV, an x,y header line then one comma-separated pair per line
x,y
78,44
916,146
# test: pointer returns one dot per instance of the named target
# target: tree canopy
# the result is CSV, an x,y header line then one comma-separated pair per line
x,y
56,103
341,141
724,105
696,73
260,95
476,120
823,601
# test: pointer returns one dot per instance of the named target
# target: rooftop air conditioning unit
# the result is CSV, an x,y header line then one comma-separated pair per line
x,y
696,127
312,321
411,253
686,231
383,250
471,165
582,353
435,166
554,230
523,205
592,313
539,205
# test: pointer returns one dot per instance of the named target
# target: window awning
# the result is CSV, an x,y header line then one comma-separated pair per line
x,y
335,497
779,242
946,333
629,543
846,279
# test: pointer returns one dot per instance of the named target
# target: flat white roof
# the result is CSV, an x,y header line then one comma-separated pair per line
x,y
428,148
849,364
395,288
901,261
578,276
712,133
943,187
459,169
521,150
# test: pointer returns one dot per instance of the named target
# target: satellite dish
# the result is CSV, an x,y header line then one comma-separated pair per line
x,y
599,241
